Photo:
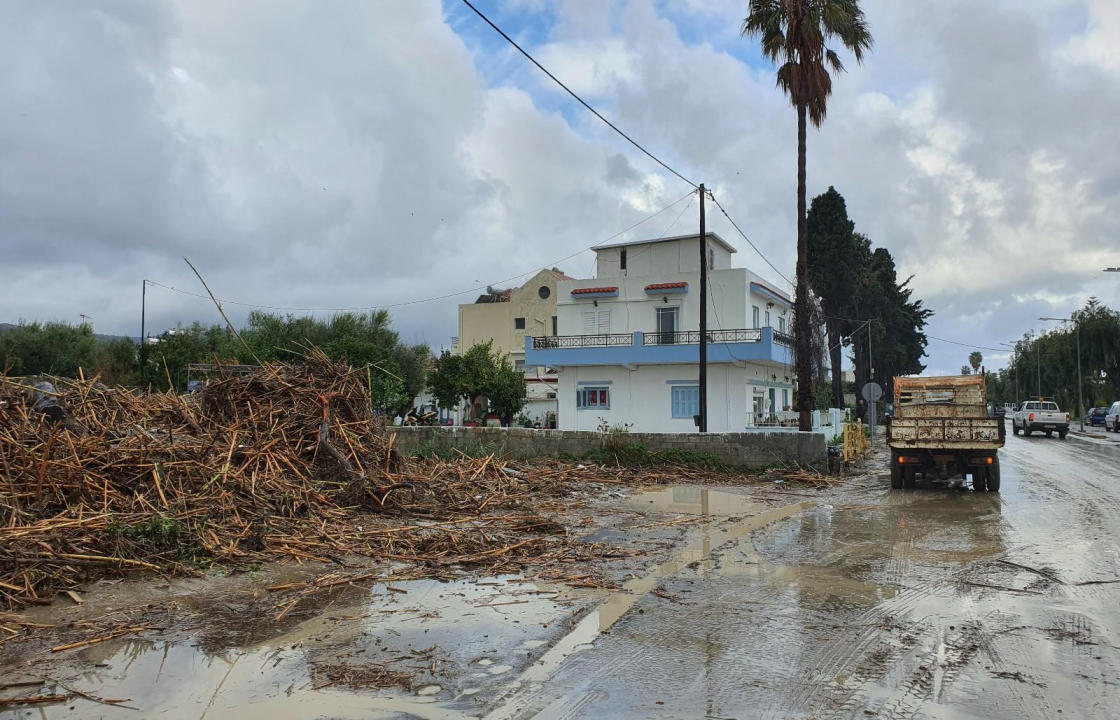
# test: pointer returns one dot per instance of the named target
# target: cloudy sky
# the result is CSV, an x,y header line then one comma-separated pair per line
x,y
347,154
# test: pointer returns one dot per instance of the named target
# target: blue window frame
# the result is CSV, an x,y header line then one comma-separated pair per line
x,y
593,397
685,401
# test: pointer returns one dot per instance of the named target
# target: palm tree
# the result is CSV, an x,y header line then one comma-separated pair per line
x,y
792,34
975,359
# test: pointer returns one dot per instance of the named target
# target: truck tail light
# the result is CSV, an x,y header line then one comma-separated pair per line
x,y
1067,417
1030,418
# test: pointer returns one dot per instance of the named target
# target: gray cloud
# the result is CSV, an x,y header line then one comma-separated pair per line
x,y
354,157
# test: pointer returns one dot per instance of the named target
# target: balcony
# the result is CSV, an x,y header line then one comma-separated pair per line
x,y
758,345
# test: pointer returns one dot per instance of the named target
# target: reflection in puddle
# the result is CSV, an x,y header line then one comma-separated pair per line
x,y
693,500
709,538
422,628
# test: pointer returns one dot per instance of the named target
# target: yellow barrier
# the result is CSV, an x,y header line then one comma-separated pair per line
x,y
855,441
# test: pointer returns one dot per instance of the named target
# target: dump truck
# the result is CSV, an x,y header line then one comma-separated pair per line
x,y
941,429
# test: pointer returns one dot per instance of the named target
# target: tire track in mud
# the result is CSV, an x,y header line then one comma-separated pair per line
x,y
531,688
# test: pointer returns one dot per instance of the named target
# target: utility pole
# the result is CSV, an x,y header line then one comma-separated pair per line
x,y
1038,365
703,317
1077,333
143,318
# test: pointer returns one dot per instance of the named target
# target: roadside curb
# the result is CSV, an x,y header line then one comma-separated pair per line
x,y
1101,437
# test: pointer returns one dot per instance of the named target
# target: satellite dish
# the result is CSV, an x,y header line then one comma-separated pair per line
x,y
872,392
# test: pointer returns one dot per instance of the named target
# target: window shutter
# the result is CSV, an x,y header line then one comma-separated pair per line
x,y
589,323
604,322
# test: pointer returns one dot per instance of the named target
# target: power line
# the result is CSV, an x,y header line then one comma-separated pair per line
x,y
753,246
968,345
437,297
580,100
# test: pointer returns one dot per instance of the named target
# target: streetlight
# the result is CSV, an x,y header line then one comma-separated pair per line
x,y
1077,331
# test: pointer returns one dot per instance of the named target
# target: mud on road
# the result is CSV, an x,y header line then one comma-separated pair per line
x,y
758,601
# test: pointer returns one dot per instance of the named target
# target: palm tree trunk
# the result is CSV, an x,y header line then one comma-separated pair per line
x,y
802,353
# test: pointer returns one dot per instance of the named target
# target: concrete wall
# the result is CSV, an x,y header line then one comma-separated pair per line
x,y
749,449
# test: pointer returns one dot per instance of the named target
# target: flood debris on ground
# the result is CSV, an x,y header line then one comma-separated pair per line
x,y
289,464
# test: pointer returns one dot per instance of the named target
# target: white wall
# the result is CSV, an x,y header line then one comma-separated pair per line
x,y
648,259
635,310
643,396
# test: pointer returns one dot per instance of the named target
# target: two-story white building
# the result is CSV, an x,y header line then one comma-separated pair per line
x,y
626,348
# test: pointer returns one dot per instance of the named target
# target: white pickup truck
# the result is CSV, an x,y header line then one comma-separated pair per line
x,y
1040,416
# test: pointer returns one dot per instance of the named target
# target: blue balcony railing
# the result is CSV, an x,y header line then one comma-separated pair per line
x,y
644,348
692,337
582,341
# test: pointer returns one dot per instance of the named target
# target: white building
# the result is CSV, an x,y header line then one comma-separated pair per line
x,y
626,348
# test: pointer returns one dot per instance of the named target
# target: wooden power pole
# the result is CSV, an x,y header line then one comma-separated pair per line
x,y
703,317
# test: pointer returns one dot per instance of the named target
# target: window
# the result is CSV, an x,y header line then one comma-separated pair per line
x,y
519,323
781,324
596,322
667,324
768,319
785,399
685,401
554,326
544,292
519,365
711,259
754,314
622,259
593,397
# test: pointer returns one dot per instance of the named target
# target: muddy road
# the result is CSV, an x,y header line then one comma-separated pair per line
x,y
853,602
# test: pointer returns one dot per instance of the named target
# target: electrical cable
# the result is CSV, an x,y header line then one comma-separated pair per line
x,y
968,345
753,246
387,306
580,100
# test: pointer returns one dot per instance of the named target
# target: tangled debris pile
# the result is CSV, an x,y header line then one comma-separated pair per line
x,y
289,462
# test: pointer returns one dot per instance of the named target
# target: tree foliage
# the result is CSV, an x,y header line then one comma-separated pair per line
x,y
865,306
396,372
1047,364
482,376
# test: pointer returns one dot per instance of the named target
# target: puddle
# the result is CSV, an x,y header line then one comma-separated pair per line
x,y
693,500
698,548
438,633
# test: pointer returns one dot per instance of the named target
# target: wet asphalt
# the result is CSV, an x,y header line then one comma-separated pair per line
x,y
926,603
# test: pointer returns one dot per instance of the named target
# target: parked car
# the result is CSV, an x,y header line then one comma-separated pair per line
x,y
1112,418
1096,416
1040,416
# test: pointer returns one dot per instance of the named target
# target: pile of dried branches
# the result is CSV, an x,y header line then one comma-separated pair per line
x,y
289,462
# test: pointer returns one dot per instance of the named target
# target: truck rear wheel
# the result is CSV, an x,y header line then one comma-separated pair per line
x,y
993,475
1026,431
1062,434
896,474
980,478
908,474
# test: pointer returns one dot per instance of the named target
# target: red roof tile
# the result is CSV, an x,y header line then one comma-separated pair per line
x,y
587,291
667,286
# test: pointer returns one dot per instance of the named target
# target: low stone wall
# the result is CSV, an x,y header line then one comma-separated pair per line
x,y
747,449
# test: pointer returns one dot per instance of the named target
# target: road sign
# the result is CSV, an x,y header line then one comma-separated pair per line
x,y
872,392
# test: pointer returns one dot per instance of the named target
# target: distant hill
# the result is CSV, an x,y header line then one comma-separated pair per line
x,y
7,327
